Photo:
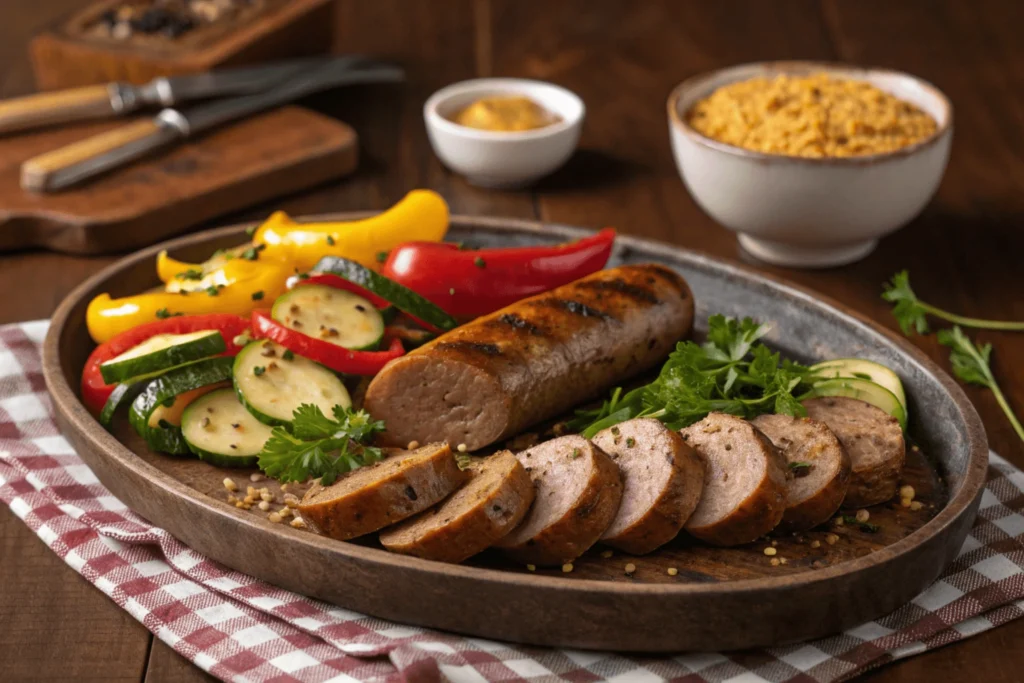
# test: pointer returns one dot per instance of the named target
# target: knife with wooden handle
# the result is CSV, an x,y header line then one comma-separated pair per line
x,y
84,159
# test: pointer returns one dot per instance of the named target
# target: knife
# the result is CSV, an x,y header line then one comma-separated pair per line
x,y
118,99
89,157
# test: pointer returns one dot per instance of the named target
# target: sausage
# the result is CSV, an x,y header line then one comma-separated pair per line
x,y
662,483
491,378
744,481
578,491
874,441
489,505
818,482
371,498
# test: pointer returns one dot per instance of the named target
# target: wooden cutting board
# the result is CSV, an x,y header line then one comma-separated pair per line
x,y
276,153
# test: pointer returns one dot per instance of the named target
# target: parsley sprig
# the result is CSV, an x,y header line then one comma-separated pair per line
x,y
972,364
319,446
912,314
732,372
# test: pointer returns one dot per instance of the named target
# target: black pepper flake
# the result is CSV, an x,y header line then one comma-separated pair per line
x,y
257,296
630,442
361,308
330,241
410,493
258,370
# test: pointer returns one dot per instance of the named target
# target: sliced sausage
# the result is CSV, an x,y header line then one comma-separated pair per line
x,y
744,481
487,507
662,481
371,498
578,490
501,373
819,468
874,441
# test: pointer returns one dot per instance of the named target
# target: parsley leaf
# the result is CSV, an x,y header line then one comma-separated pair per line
x,y
972,364
189,274
320,447
912,314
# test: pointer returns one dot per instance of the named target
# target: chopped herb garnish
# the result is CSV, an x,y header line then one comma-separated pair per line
x,y
912,314
330,240
251,230
463,460
257,296
190,274
479,262
303,276
163,314
259,370
288,355
800,469
212,290
575,453
382,256
164,424
863,526
250,254
630,442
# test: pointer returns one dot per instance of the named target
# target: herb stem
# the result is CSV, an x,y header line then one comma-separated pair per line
x,y
972,322
1004,404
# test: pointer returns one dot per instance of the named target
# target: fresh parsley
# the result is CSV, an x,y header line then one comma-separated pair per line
x,y
912,314
163,314
732,372
318,446
288,354
252,253
330,240
190,274
259,370
867,527
257,296
382,256
972,364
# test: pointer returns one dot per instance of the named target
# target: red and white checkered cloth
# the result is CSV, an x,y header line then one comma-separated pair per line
x,y
241,629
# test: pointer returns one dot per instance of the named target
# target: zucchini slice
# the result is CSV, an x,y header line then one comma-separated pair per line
x,y
271,388
122,395
858,368
862,389
162,352
331,315
219,430
399,296
156,412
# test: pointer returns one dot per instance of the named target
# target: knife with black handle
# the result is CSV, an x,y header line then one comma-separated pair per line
x,y
95,155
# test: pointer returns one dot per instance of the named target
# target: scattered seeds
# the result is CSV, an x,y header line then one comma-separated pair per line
x,y
672,571
916,505
297,523
531,567
831,539
256,476
863,515
413,445
630,568
838,521
606,554
461,448
264,505
815,544
267,496
230,485
906,502
907,491
274,517
775,562
770,551
567,567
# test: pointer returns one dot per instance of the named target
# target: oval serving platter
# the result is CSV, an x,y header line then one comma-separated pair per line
x,y
717,599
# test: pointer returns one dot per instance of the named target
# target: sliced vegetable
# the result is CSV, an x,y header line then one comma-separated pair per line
x,y
864,390
219,430
421,215
858,368
410,337
95,391
122,395
333,315
271,386
468,283
399,296
338,282
345,361
162,352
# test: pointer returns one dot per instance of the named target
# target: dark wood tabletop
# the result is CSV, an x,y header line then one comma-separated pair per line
x,y
622,58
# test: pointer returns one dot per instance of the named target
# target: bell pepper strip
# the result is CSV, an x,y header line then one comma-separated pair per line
x,y
337,358
95,391
468,283
422,215
238,287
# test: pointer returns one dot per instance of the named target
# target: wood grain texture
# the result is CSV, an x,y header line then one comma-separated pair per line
x,y
166,192
30,111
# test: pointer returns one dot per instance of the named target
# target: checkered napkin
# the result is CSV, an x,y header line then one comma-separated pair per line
x,y
241,629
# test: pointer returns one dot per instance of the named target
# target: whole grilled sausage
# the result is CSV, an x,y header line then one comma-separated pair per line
x,y
533,360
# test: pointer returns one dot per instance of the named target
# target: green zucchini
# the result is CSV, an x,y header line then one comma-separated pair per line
x,y
864,390
123,394
858,368
411,337
331,315
399,296
271,388
156,412
160,353
219,430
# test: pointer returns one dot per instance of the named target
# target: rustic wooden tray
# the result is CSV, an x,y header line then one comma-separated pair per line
x,y
719,599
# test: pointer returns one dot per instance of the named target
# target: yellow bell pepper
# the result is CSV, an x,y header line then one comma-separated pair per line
x,y
239,286
422,216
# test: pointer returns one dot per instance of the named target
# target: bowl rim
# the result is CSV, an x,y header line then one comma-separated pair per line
x,y
434,118
677,120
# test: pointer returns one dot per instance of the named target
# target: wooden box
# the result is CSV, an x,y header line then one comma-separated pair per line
x,y
80,50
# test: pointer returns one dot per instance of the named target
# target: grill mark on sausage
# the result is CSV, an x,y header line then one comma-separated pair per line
x,y
477,347
620,286
575,307
515,321
668,275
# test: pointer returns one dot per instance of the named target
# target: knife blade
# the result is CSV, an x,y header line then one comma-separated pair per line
x,y
90,157
117,99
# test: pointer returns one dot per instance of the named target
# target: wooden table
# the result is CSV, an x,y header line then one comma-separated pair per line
x,y
623,58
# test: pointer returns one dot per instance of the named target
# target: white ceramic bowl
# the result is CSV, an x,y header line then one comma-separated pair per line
x,y
497,159
795,211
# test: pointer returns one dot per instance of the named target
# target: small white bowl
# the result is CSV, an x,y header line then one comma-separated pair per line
x,y
500,159
808,212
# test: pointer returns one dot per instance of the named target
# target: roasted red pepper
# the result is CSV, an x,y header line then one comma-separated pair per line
x,y
95,391
327,354
468,283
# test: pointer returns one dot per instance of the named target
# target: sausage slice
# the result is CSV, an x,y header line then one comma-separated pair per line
x,y
494,500
371,498
662,483
491,378
578,490
819,468
744,481
874,441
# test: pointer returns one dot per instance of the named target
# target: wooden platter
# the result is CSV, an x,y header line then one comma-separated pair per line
x,y
718,599
263,157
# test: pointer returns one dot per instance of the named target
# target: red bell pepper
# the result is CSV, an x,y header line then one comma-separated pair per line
x,y
468,283
327,354
338,282
95,391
